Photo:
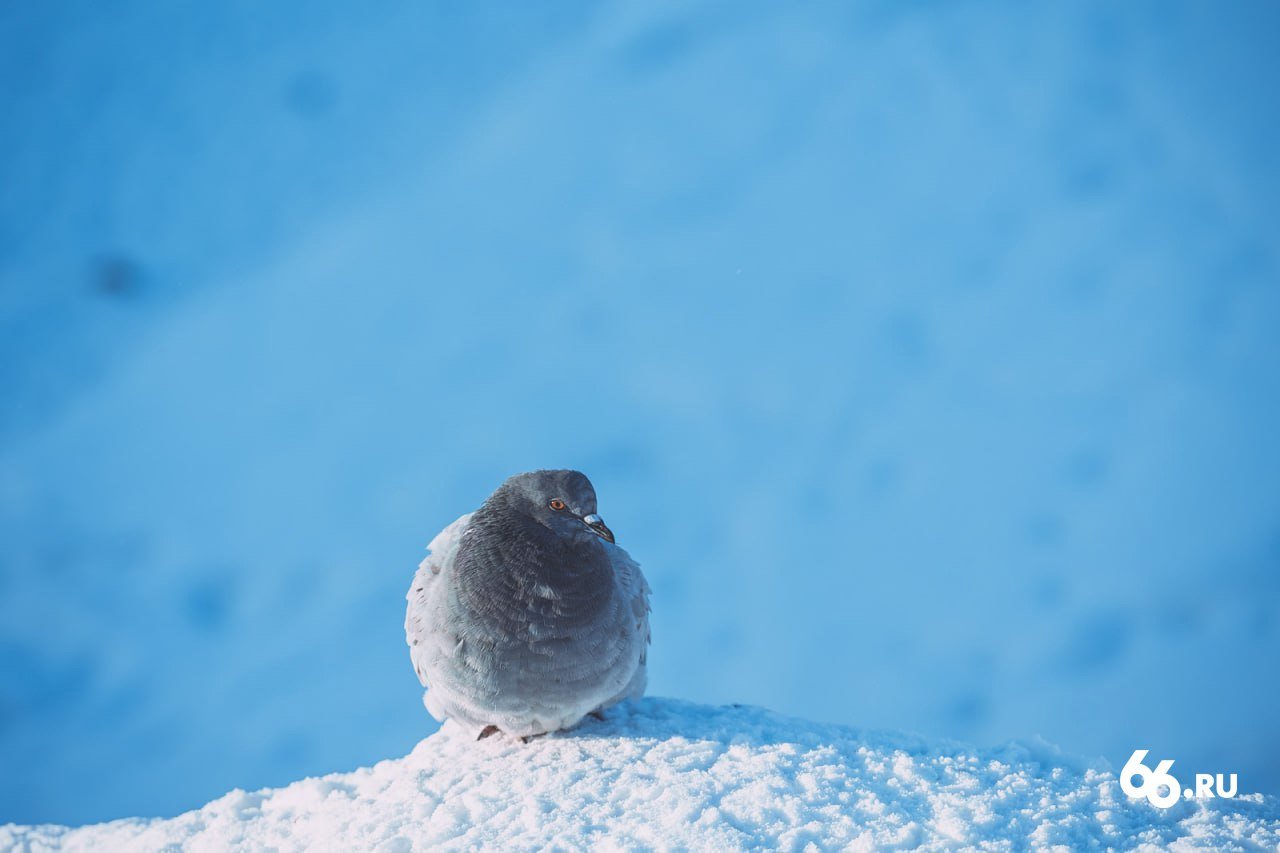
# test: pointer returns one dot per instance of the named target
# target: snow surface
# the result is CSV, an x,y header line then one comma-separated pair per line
x,y
977,303
662,773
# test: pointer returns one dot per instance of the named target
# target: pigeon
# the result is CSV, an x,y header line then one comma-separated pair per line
x,y
525,616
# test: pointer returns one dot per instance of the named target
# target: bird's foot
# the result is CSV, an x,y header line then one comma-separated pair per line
x,y
598,714
489,731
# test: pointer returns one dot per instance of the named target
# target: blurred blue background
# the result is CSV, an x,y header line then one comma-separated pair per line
x,y
927,357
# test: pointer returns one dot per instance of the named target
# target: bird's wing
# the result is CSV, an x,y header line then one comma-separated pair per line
x,y
418,624
635,591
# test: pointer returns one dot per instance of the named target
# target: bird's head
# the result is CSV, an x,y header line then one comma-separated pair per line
x,y
563,501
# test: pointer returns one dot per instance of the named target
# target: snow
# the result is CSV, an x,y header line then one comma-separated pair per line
x,y
663,773
924,356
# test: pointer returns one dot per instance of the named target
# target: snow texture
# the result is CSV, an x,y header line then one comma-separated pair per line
x,y
662,773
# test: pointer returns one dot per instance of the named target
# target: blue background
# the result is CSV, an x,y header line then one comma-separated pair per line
x,y
925,355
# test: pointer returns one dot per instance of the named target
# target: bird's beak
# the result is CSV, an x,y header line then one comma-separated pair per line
x,y
596,523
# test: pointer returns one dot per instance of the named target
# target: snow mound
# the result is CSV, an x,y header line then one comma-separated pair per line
x,y
662,772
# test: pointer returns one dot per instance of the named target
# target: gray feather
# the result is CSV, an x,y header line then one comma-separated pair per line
x,y
523,616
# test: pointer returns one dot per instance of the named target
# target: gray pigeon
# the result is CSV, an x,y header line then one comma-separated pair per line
x,y
525,616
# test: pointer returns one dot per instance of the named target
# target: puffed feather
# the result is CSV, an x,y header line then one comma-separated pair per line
x,y
542,681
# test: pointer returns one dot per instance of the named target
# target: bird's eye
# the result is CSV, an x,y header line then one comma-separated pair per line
x,y
557,504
